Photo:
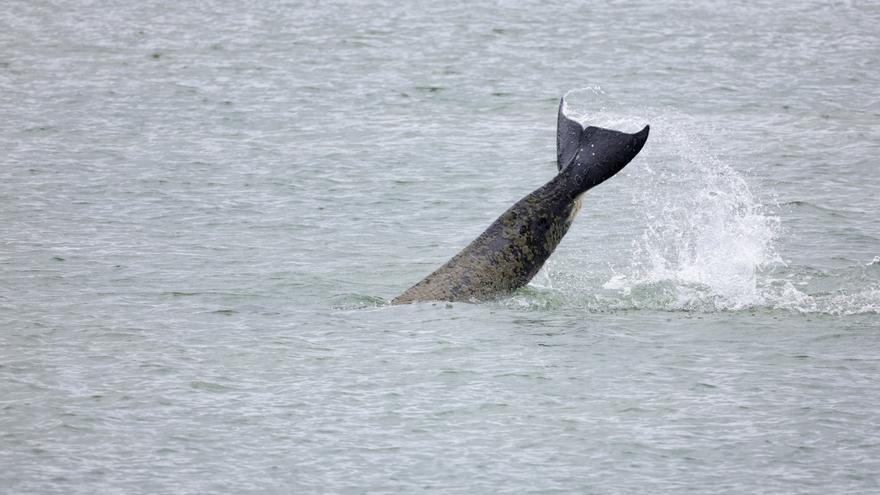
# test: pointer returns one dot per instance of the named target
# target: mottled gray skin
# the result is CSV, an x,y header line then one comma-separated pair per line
x,y
514,248
508,254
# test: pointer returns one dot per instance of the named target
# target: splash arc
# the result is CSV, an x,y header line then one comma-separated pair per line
x,y
513,249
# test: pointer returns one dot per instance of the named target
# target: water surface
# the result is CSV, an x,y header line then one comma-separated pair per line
x,y
206,207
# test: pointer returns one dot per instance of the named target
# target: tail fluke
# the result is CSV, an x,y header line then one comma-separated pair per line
x,y
568,137
594,154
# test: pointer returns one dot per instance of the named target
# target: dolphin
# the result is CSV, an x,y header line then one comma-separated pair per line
x,y
512,250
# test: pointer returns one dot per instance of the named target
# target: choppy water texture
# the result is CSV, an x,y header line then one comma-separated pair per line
x,y
205,207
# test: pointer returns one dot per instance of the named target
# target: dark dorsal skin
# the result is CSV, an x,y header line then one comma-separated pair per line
x,y
514,248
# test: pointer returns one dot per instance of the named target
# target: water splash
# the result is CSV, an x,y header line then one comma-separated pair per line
x,y
704,230
707,242
705,235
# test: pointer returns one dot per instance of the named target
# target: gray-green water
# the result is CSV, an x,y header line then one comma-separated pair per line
x,y
204,207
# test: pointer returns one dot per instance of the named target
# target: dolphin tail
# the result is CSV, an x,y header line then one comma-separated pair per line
x,y
594,154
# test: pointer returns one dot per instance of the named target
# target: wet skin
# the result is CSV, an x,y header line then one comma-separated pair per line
x,y
513,249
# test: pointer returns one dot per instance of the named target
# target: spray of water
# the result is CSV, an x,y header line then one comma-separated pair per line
x,y
708,243
705,232
706,237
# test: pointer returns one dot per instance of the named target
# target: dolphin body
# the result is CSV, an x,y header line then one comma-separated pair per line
x,y
512,250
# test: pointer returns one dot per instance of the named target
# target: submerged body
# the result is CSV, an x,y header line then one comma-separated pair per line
x,y
514,248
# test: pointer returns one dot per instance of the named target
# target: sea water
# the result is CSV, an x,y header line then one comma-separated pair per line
x,y
205,208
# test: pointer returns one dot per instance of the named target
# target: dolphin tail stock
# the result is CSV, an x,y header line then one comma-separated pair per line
x,y
594,154
515,246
